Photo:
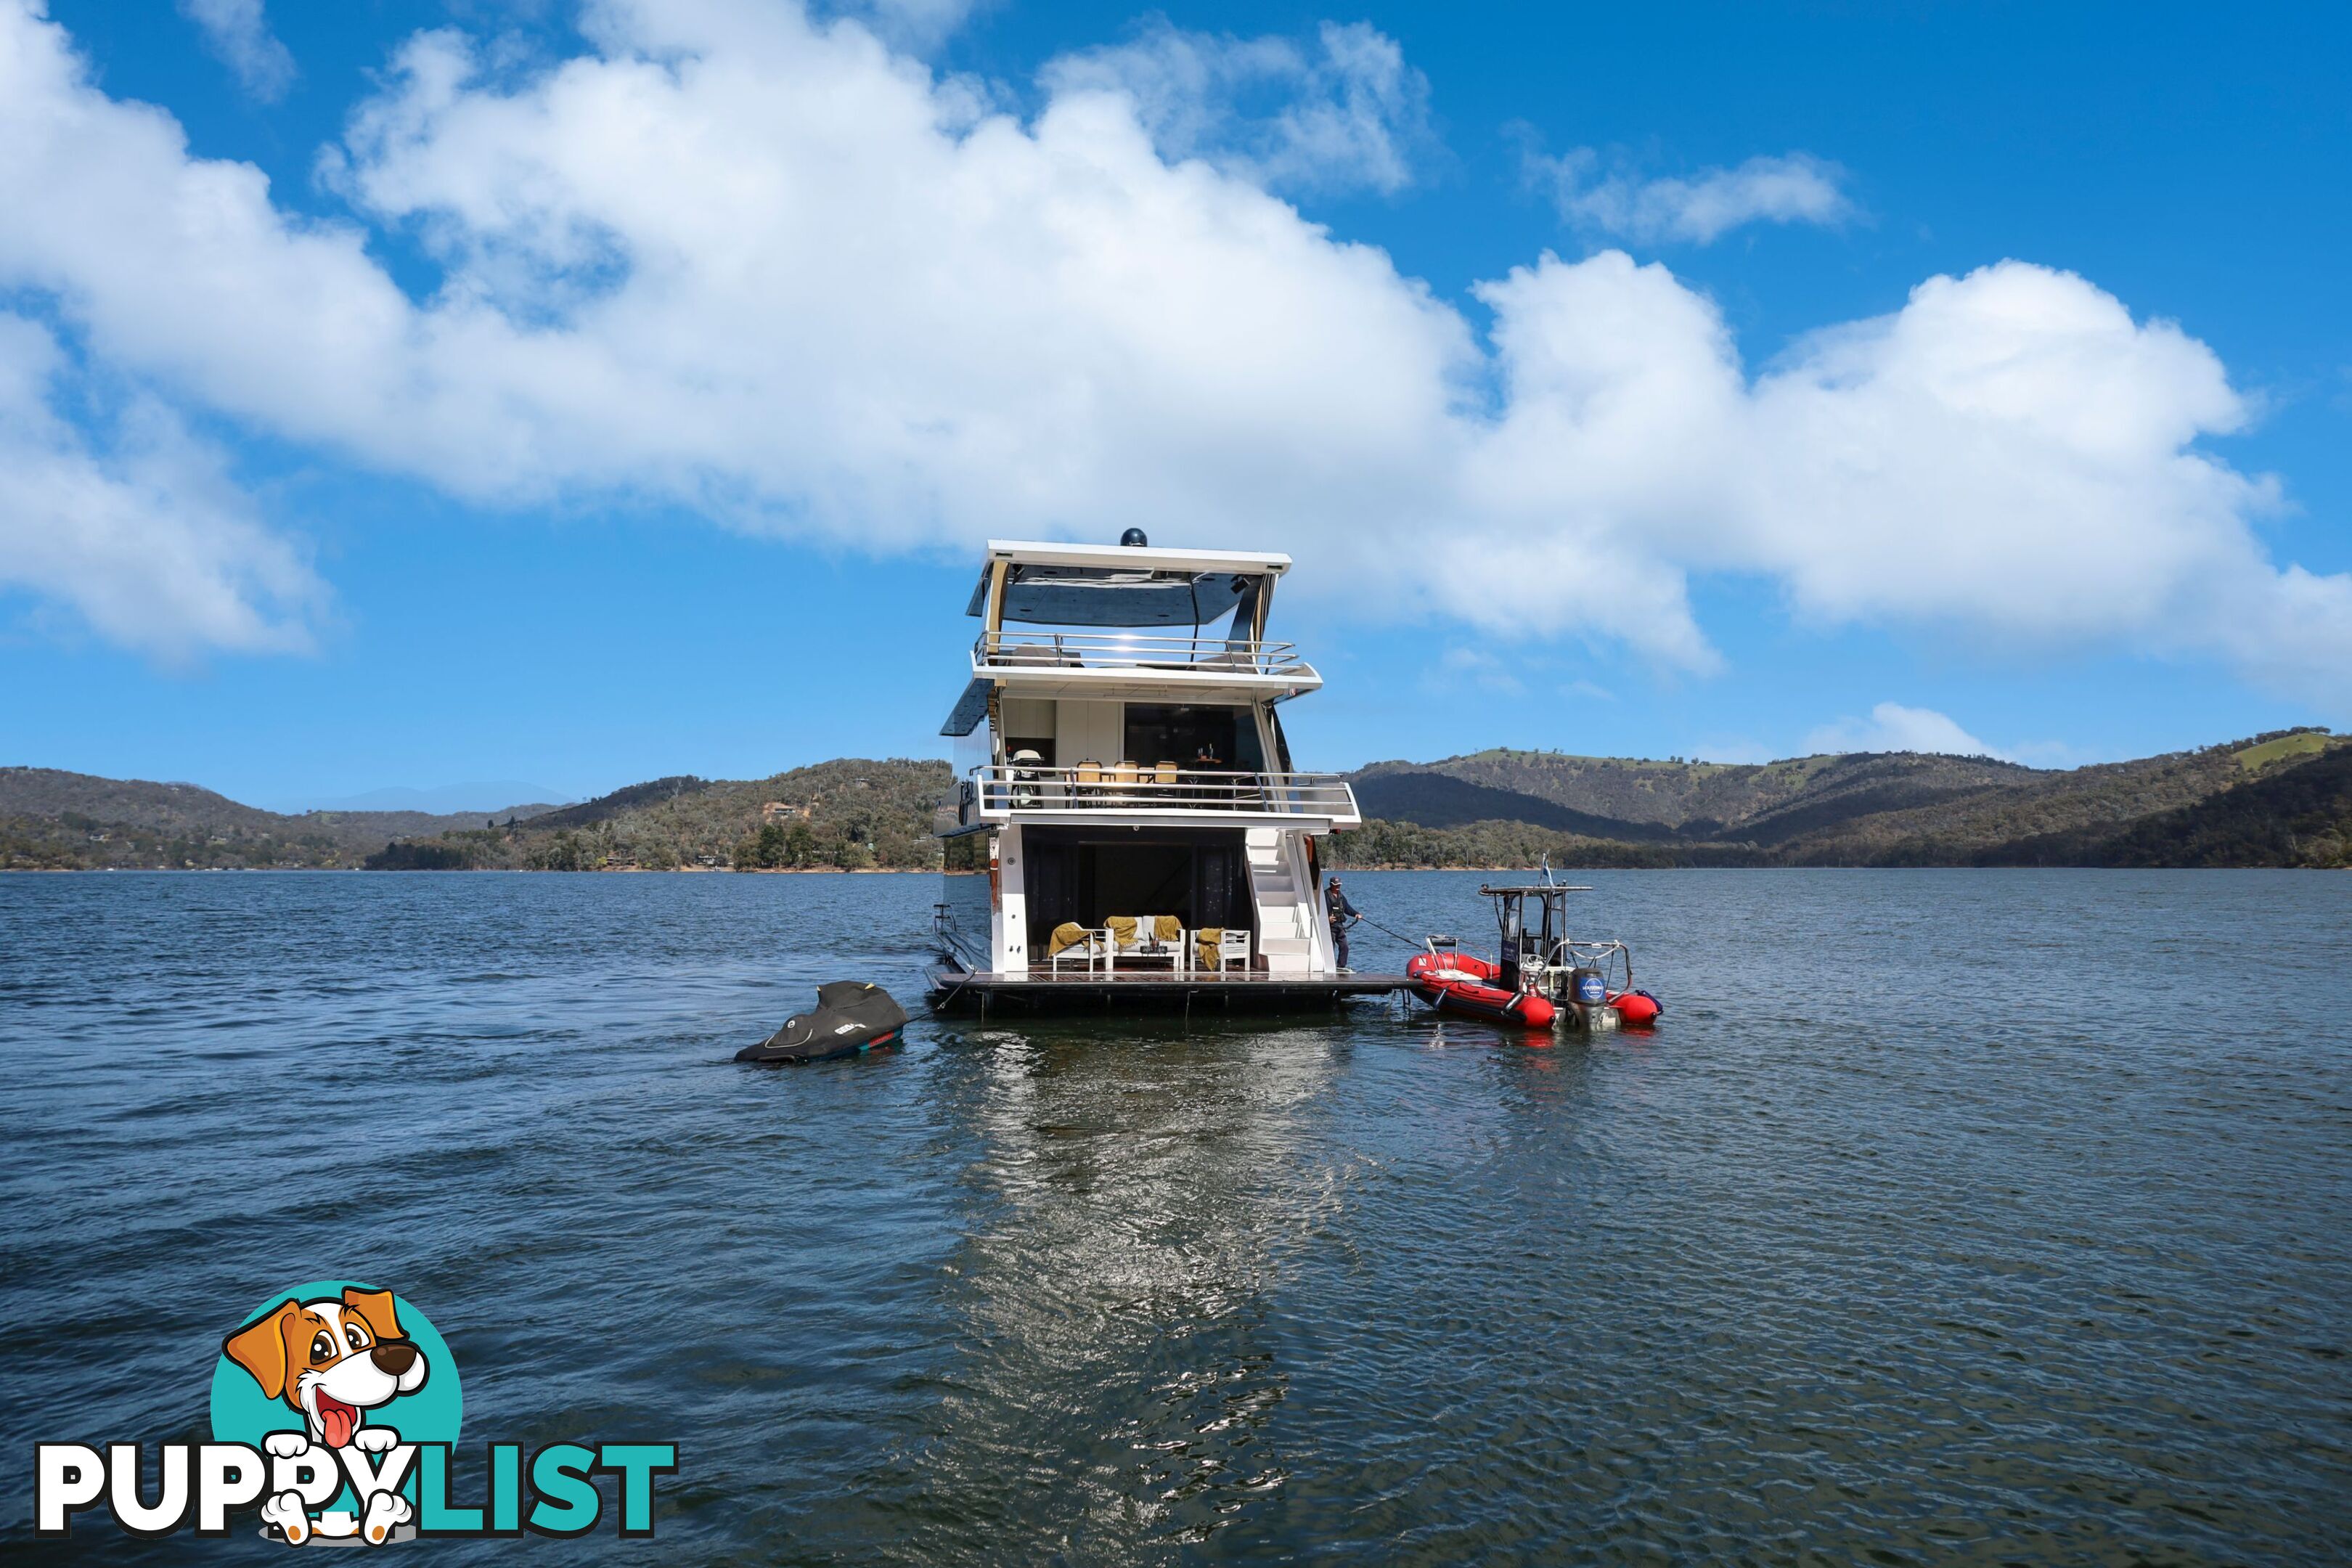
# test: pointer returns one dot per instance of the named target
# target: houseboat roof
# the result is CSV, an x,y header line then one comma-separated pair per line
x,y
1118,585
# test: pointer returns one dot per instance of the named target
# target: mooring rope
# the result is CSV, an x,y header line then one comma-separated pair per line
x,y
1408,941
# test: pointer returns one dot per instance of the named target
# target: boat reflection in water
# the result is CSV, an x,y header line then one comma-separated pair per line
x,y
1135,1212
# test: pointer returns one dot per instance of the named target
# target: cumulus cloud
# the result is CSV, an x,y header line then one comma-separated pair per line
x,y
1892,726
1346,112
144,537
1612,199
238,32
737,260
1462,668
911,24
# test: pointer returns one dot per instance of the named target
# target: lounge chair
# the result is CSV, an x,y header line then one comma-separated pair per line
x,y
1075,944
1218,948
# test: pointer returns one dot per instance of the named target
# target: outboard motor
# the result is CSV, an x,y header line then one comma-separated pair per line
x,y
851,1017
1588,992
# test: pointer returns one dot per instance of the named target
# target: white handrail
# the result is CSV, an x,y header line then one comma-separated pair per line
x,y
1001,788
1100,650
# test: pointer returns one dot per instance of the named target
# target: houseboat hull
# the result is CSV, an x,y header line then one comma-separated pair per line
x,y
959,992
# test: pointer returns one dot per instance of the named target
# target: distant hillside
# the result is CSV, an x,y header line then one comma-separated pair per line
x,y
1696,801
50,818
2290,816
849,813
852,814
1435,799
2281,799
2256,802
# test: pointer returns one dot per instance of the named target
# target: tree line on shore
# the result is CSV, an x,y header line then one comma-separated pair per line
x,y
2281,799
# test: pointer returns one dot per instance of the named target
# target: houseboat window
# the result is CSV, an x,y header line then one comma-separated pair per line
x,y
1176,735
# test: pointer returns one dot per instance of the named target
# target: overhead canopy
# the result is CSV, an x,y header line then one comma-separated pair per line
x,y
1098,586
1067,596
970,709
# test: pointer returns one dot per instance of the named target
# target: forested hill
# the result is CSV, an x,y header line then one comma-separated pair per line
x,y
50,818
855,814
851,814
2265,800
2281,799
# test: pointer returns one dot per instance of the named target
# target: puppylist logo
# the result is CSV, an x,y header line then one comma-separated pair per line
x,y
335,1409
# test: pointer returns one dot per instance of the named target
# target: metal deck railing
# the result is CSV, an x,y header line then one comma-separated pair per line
x,y
998,792
1024,651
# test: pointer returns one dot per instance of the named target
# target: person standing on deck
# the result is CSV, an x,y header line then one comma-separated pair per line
x,y
1342,915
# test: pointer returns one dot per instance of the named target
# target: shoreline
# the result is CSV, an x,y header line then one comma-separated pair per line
x,y
936,871
493,870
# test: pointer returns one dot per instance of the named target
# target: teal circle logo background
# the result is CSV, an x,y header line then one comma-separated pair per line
x,y
242,1414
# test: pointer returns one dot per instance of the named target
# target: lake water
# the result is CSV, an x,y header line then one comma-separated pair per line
x,y
1995,1215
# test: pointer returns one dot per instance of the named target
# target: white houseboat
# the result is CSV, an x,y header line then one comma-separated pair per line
x,y
1123,780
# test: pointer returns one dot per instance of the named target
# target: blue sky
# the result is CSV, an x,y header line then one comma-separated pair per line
x,y
589,399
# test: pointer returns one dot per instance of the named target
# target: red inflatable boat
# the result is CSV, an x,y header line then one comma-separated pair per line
x,y
1462,983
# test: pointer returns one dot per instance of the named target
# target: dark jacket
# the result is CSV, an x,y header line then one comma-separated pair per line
x,y
1336,907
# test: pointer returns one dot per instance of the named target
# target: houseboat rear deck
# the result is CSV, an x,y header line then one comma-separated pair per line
x,y
956,989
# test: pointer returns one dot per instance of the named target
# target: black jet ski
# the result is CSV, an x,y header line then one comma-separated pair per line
x,y
851,1017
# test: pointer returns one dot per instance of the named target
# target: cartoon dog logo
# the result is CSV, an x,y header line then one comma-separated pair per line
x,y
335,1360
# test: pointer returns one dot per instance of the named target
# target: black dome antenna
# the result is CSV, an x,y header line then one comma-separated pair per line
x,y
1135,537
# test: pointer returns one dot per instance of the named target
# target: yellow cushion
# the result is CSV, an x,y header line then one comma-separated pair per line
x,y
1205,941
1122,929
1068,934
1169,928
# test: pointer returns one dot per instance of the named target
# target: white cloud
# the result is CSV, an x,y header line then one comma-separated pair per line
x,y
238,32
1346,112
146,539
1793,188
1892,726
1461,668
736,261
911,23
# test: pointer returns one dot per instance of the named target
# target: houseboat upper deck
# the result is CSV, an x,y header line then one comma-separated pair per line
x,y
1146,832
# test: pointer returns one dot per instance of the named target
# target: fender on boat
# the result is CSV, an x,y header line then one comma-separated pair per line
x,y
1636,1009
